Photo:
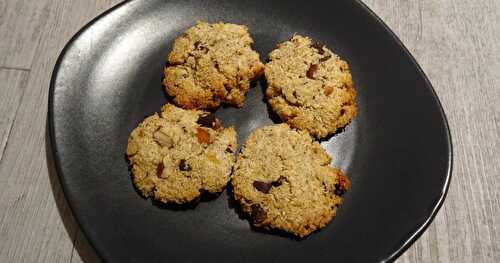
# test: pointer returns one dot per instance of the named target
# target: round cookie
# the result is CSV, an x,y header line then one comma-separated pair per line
x,y
210,64
283,180
310,87
178,154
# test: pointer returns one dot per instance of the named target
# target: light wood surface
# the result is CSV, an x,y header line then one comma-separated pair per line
x,y
457,43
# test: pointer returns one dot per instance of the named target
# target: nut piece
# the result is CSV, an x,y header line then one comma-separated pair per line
x,y
163,139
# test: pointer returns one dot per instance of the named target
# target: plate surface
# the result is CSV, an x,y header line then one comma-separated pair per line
x,y
397,152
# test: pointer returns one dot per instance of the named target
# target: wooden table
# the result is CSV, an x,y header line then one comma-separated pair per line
x,y
455,41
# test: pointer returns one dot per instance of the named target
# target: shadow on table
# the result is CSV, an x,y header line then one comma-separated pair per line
x,y
80,243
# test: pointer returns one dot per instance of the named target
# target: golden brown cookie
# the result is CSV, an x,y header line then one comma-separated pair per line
x,y
310,87
178,154
210,64
282,178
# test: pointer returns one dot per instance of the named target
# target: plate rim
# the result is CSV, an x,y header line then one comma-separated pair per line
x,y
412,237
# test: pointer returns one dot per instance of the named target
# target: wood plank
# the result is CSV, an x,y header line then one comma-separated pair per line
x,y
32,226
456,43
21,24
12,85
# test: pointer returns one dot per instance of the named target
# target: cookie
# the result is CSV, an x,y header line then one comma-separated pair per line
x,y
178,154
283,180
211,64
310,87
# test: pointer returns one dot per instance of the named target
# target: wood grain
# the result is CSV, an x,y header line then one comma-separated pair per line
x,y
13,83
32,226
455,41
21,28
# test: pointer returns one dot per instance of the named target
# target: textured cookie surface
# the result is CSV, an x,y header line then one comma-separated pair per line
x,y
178,154
210,64
283,180
310,87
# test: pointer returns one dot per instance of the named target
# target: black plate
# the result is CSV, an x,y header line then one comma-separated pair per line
x,y
397,152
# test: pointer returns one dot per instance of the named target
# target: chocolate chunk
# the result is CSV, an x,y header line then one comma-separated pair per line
x,y
258,214
262,187
312,69
339,189
318,46
227,87
183,166
342,111
200,47
207,120
229,150
325,58
278,182
159,168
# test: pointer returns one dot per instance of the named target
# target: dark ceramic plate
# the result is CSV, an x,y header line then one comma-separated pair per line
x,y
397,152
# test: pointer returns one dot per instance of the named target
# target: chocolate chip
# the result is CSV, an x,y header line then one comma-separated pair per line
x,y
262,187
159,168
196,44
318,46
325,58
183,166
342,111
278,182
258,214
207,120
312,69
229,150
